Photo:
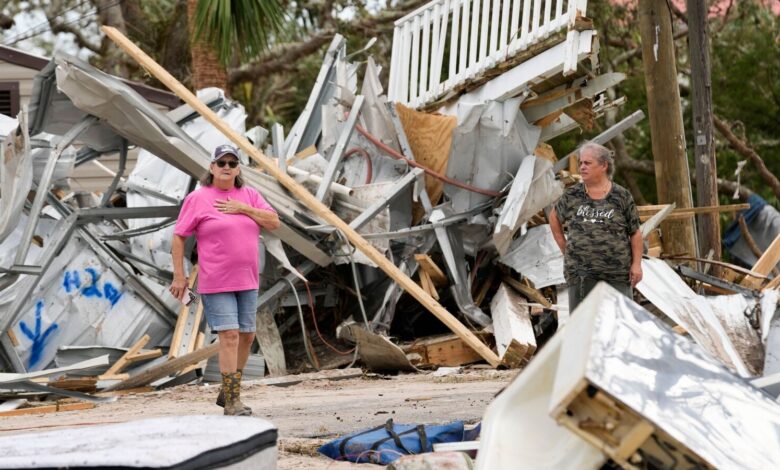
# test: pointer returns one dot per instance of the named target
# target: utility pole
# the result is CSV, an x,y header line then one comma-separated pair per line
x,y
672,176
708,225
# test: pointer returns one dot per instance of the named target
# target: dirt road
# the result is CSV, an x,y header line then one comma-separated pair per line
x,y
307,413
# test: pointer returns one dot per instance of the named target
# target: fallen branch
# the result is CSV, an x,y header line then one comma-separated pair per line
x,y
743,149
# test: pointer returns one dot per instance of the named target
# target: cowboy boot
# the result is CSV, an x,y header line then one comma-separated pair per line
x,y
239,403
221,396
229,385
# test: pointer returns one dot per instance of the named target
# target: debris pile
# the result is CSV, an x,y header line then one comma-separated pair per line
x,y
458,201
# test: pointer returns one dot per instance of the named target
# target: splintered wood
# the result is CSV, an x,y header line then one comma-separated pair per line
x,y
515,339
447,350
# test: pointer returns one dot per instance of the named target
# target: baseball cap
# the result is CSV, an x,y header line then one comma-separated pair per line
x,y
222,150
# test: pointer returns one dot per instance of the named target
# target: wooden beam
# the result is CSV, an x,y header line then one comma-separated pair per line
x,y
434,272
181,320
514,333
48,409
447,350
646,212
124,360
302,194
773,284
529,292
145,356
167,368
765,263
427,284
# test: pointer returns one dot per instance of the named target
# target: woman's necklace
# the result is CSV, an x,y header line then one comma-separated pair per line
x,y
600,191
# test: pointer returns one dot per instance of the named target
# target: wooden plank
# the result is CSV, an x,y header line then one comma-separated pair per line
x,y
303,195
434,272
200,338
267,334
195,332
48,409
163,370
773,284
427,284
145,356
512,328
690,211
123,361
448,351
485,288
12,338
633,440
765,263
114,376
181,320
529,292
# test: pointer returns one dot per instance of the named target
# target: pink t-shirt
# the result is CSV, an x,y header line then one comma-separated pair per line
x,y
227,243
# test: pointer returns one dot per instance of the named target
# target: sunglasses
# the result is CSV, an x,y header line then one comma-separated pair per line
x,y
230,163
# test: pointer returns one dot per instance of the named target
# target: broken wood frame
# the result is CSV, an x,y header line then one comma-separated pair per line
x,y
617,430
302,194
646,212
765,263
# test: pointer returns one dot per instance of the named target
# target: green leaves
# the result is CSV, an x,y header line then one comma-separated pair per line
x,y
243,28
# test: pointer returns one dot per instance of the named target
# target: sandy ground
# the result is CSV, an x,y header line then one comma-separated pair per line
x,y
307,414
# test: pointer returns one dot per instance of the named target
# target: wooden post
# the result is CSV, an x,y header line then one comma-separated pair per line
x,y
672,176
708,225
303,195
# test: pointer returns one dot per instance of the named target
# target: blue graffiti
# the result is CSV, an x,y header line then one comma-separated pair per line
x,y
37,337
92,289
72,282
111,293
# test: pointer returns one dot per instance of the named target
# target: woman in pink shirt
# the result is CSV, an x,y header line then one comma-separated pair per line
x,y
226,217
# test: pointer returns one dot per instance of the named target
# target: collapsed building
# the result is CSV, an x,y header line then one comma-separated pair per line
x,y
447,172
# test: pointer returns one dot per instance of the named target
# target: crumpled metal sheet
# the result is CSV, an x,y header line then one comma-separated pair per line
x,y
533,189
664,288
517,430
81,301
122,113
536,256
16,173
487,147
620,348
770,331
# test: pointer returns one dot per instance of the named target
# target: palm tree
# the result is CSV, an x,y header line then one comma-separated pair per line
x,y
223,30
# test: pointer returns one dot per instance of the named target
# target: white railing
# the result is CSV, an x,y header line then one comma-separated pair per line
x,y
475,34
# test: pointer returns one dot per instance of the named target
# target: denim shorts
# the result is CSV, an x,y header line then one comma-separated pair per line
x,y
231,310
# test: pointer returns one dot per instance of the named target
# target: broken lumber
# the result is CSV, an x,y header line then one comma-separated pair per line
x,y
180,330
427,284
646,212
302,194
446,350
165,369
515,339
765,263
48,409
773,284
528,291
431,269
123,361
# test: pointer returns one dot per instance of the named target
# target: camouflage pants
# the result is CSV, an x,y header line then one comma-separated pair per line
x,y
580,287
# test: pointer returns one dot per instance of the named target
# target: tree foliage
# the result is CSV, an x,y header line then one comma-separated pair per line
x,y
274,81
